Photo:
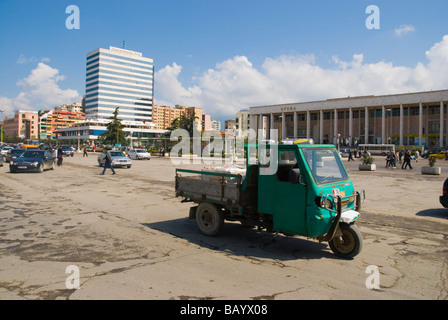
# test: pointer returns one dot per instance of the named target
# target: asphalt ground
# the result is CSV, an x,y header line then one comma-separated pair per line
x,y
127,236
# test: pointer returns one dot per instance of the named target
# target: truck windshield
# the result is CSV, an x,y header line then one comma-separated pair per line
x,y
325,165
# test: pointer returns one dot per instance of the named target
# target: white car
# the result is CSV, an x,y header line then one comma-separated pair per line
x,y
118,159
5,150
138,154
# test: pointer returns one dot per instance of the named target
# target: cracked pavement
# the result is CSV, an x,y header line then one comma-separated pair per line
x,y
131,239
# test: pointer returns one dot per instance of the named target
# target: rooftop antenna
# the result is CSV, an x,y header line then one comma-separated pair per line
x,y
124,44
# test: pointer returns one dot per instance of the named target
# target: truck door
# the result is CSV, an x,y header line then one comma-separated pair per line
x,y
282,197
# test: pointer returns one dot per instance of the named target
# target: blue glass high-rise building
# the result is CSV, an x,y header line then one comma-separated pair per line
x,y
119,78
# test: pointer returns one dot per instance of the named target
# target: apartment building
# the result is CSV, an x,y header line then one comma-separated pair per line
x,y
163,116
53,120
25,125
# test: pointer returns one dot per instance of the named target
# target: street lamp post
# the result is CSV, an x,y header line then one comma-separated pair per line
x,y
1,128
387,126
339,138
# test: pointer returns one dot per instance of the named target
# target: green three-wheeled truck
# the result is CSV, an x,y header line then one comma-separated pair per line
x,y
305,191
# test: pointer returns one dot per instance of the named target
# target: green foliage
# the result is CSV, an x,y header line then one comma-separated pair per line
x,y
366,158
184,122
432,161
114,133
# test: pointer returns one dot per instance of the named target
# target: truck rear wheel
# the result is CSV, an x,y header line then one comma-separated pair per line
x,y
209,219
348,243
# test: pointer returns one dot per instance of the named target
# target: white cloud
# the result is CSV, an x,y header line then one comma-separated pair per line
x,y
404,29
235,84
22,59
39,90
167,85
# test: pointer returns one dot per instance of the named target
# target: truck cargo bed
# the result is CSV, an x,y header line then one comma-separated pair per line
x,y
224,188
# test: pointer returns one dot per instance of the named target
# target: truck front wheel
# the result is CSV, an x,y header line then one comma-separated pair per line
x,y
347,242
209,219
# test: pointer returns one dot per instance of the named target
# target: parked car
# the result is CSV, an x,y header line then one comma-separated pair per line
x,y
118,159
12,154
139,154
32,160
444,197
68,151
1,161
4,150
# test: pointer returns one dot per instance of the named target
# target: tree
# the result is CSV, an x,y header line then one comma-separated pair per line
x,y
184,122
114,133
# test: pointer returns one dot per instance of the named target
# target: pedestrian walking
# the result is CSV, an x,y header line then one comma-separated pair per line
x,y
391,160
407,160
85,154
59,156
108,163
350,155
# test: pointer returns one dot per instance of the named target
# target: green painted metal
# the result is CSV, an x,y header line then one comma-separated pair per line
x,y
293,206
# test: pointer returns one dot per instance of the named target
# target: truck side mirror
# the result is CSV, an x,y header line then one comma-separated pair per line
x,y
295,176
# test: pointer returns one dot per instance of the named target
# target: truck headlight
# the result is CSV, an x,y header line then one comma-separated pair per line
x,y
324,203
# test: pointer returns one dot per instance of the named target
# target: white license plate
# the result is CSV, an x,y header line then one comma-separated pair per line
x,y
22,167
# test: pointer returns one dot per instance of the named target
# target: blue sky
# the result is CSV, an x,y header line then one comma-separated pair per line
x,y
226,55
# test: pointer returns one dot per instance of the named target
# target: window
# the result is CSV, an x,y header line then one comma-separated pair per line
x,y
287,161
396,112
414,111
325,165
434,110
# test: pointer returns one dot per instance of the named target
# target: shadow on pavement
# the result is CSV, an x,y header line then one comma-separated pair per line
x,y
241,241
435,213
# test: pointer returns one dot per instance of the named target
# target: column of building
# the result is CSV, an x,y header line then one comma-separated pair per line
x,y
386,125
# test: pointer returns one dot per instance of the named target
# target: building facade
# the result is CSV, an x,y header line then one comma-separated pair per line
x,y
119,78
411,119
230,125
216,125
25,125
163,115
242,123
73,107
52,120
88,130
206,122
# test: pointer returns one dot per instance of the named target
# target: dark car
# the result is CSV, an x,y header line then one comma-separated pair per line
x,y
12,154
444,197
32,160
67,151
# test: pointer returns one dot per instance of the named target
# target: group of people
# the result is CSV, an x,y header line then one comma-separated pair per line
x,y
58,154
404,158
